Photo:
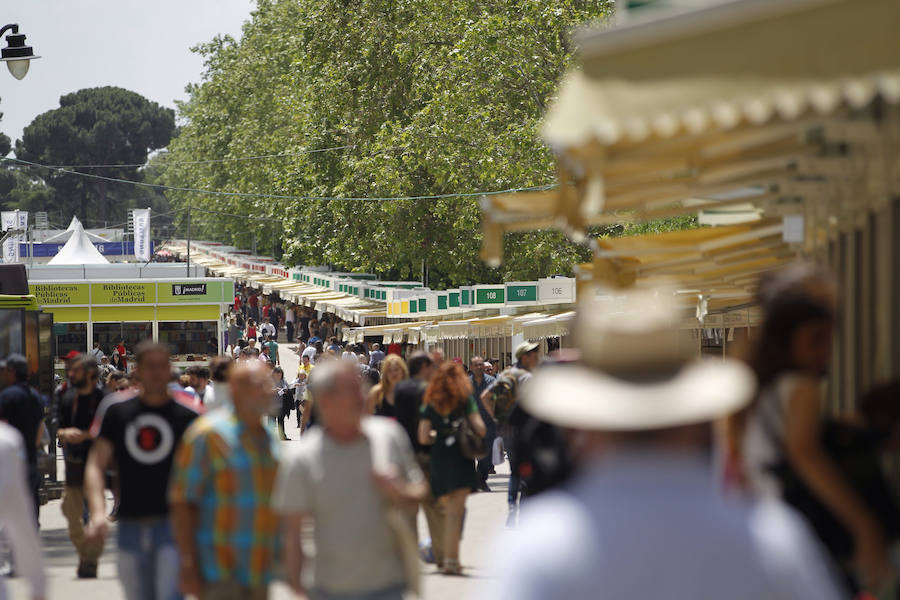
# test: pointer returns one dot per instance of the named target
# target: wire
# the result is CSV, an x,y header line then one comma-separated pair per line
x,y
225,214
158,186
208,161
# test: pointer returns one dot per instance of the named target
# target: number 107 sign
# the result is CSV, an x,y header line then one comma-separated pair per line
x,y
521,292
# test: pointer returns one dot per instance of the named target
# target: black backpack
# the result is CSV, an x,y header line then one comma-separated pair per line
x,y
286,395
539,452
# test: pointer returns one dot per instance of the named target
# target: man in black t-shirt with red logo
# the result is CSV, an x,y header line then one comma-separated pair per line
x,y
141,434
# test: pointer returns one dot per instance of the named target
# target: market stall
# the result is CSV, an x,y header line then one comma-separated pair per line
x,y
185,314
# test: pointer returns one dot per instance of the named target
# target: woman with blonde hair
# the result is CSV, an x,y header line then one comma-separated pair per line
x,y
381,396
448,399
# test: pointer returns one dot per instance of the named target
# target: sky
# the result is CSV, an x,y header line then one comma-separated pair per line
x,y
140,45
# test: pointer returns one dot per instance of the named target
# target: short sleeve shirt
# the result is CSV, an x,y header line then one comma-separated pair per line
x,y
228,471
144,439
332,482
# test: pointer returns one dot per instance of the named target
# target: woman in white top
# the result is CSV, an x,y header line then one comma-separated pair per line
x,y
791,357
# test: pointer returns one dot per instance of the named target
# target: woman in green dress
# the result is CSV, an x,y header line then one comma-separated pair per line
x,y
452,476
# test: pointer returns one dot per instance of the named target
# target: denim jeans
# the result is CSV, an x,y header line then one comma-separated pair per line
x,y
515,483
148,560
391,593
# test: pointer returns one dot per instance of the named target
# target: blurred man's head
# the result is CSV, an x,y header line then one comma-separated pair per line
x,y
337,391
152,368
219,368
476,366
437,357
251,394
116,381
199,377
85,373
14,369
421,366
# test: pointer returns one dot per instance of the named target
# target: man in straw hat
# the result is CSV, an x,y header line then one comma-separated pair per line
x,y
642,517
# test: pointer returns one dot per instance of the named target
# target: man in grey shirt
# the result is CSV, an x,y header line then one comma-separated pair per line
x,y
345,475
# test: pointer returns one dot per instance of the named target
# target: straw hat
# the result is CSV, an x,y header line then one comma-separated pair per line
x,y
634,374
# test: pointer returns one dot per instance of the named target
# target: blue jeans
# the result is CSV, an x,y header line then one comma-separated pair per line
x,y
391,593
148,560
515,483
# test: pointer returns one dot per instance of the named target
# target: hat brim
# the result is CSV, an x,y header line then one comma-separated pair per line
x,y
582,398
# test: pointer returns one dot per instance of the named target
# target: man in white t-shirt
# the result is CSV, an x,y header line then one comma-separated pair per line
x,y
267,329
310,354
289,319
345,475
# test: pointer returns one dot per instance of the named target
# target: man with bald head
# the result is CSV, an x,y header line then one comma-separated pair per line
x,y
345,474
221,494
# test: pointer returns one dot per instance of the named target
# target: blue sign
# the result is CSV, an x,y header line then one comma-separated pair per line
x,y
104,248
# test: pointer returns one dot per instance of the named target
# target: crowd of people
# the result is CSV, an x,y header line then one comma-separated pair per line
x,y
639,469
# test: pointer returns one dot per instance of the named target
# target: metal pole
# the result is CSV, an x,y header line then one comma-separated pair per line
x,y
188,241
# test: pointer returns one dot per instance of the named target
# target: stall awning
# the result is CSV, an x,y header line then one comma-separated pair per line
x,y
743,103
721,67
552,326
393,332
491,327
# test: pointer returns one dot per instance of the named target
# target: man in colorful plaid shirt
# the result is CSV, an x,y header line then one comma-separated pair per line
x,y
222,481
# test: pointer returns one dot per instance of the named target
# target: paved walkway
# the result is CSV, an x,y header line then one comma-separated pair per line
x,y
485,517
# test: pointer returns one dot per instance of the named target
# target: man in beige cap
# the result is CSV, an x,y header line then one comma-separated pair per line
x,y
642,517
528,355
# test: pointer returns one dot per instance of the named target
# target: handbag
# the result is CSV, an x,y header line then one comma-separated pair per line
x,y
471,445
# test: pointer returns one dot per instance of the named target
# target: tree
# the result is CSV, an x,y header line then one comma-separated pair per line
x,y
96,126
422,97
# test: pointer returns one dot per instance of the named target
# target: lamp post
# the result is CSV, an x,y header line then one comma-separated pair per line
x,y
16,54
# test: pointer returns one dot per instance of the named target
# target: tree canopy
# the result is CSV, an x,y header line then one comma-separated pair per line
x,y
95,126
422,97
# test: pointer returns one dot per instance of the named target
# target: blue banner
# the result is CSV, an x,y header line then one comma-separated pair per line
x,y
105,248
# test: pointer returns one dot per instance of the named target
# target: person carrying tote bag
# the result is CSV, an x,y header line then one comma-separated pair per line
x,y
448,411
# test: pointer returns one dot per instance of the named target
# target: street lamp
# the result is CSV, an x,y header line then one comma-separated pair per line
x,y
16,54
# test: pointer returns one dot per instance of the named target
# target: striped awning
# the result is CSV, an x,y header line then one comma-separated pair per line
x,y
747,110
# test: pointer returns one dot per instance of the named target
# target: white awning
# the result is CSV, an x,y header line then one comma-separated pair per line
x,y
553,326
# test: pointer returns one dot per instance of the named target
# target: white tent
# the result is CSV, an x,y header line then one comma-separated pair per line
x,y
78,250
67,234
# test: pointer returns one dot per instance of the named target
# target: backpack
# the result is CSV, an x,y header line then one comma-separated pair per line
x,y
539,452
286,395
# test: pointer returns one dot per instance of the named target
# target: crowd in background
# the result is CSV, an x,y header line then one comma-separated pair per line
x,y
685,467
